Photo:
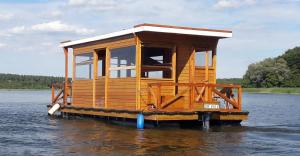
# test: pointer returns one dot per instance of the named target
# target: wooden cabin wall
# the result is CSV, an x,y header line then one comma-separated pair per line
x,y
200,75
122,93
118,93
100,92
82,93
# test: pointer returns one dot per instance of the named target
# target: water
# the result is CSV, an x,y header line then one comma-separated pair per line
x,y
25,129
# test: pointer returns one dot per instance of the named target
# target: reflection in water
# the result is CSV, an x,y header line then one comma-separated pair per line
x,y
25,129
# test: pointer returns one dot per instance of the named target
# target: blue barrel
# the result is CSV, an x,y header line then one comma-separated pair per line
x,y
140,121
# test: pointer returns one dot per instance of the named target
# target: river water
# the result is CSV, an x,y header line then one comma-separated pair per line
x,y
273,128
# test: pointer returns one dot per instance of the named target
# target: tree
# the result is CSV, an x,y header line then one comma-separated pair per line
x,y
267,73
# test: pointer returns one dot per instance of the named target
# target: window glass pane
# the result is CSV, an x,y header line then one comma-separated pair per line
x,y
84,66
122,57
200,58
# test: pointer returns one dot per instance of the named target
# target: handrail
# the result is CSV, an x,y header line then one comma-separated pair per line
x,y
197,95
60,87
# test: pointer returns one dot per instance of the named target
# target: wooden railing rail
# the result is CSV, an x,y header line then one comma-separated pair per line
x,y
197,93
59,88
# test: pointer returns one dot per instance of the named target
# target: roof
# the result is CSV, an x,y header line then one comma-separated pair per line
x,y
155,28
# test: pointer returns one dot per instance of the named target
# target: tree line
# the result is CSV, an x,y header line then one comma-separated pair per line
x,y
14,81
281,71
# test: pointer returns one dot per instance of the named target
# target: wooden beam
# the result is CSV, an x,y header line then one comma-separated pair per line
x,y
73,66
206,75
174,63
107,65
169,102
95,76
234,104
214,61
66,76
138,54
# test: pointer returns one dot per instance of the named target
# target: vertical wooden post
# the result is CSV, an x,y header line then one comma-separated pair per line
x,y
66,76
95,75
138,64
192,77
149,94
73,66
214,64
52,93
206,74
107,66
174,69
240,98
158,96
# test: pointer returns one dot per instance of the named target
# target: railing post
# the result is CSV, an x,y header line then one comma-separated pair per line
x,y
149,94
158,95
52,93
240,98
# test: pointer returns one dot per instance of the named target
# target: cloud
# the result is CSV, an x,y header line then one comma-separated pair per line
x,y
58,26
96,4
17,29
226,4
54,26
2,45
4,17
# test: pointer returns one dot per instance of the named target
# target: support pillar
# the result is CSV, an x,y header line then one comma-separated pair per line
x,y
206,120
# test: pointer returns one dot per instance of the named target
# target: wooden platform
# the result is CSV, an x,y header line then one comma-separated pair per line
x,y
156,116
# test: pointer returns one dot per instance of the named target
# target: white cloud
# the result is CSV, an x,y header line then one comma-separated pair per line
x,y
2,45
58,26
97,4
4,17
17,29
225,4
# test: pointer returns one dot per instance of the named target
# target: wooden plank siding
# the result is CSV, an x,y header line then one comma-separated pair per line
x,y
82,91
122,93
100,92
200,75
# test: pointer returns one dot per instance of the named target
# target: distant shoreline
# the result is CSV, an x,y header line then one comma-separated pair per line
x,y
272,90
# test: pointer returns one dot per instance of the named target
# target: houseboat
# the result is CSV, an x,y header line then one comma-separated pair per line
x,y
149,72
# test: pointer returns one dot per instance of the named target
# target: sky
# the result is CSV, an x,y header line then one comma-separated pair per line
x,y
31,30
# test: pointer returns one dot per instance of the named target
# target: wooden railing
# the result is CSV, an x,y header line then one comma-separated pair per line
x,y
200,93
58,92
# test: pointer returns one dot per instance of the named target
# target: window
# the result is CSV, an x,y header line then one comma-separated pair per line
x,y
122,62
101,62
200,58
84,66
156,62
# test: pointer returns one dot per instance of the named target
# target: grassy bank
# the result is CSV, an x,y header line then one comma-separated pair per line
x,y
273,90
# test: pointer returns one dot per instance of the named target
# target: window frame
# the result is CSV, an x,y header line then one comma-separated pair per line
x,y
159,45
210,59
131,67
89,62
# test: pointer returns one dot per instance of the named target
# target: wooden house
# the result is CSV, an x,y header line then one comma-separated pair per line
x,y
163,72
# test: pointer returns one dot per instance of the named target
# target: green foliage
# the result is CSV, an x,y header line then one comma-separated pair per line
x,y
230,81
13,81
282,71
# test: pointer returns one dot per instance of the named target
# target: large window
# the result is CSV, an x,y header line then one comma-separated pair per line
x,y
122,62
84,66
200,58
156,62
